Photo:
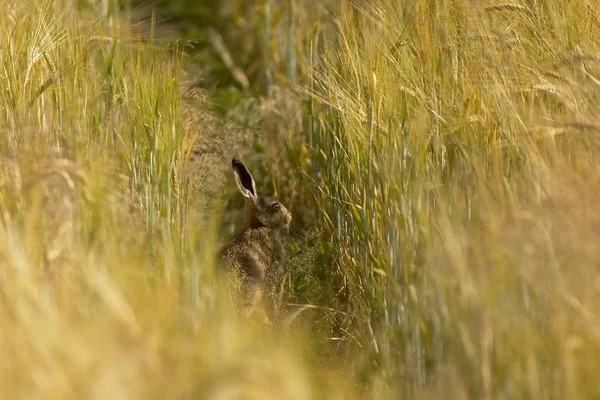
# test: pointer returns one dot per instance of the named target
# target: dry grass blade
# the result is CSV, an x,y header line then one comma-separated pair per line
x,y
509,7
219,45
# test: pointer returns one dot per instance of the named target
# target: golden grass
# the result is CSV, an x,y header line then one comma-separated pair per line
x,y
449,150
106,283
455,150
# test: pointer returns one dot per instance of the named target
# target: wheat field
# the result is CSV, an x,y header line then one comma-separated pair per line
x,y
440,160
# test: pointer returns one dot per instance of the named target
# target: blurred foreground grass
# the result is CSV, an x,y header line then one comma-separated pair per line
x,y
446,150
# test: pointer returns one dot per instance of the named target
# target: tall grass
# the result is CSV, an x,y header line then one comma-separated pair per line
x,y
454,147
445,152
106,281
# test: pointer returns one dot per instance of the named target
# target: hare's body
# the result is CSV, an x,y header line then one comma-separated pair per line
x,y
254,252
257,252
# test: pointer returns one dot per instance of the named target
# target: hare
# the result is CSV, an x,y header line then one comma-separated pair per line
x,y
257,251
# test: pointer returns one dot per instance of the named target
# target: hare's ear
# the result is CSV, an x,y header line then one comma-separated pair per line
x,y
244,180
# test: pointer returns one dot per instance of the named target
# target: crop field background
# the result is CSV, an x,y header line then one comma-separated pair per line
x,y
440,159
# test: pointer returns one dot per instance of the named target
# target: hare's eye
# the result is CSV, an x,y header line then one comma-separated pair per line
x,y
276,207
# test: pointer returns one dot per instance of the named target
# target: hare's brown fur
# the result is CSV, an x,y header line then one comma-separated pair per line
x,y
257,252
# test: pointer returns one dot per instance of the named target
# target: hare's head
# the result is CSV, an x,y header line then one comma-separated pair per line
x,y
259,210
